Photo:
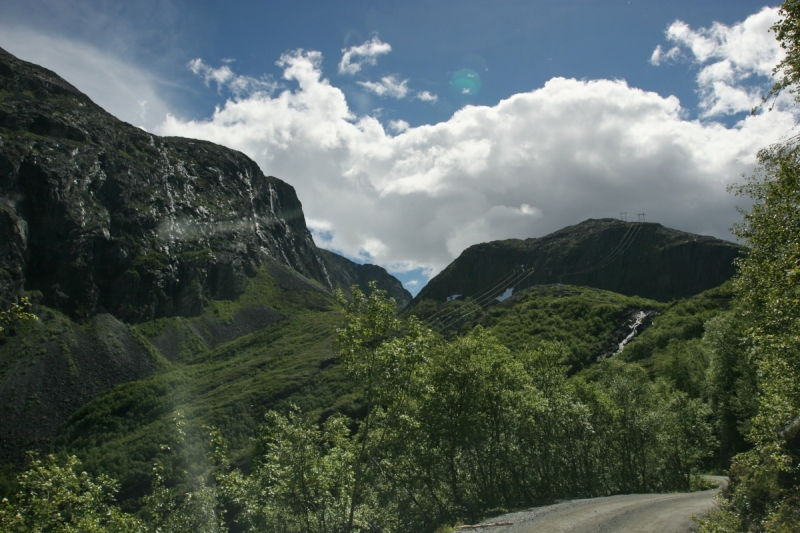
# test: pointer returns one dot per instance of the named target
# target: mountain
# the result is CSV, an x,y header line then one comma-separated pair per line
x,y
630,258
136,251
101,216
345,273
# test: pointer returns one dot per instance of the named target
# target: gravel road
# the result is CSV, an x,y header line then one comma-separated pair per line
x,y
630,513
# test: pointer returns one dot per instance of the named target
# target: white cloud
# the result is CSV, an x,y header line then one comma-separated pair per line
x,y
529,165
355,57
124,90
399,126
731,57
388,86
659,55
224,76
425,96
220,75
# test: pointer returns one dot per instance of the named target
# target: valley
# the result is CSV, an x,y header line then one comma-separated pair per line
x,y
208,366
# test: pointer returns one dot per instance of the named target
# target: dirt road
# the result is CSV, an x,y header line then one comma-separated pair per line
x,y
631,513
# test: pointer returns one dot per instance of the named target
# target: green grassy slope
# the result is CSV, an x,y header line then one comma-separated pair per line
x,y
681,321
227,384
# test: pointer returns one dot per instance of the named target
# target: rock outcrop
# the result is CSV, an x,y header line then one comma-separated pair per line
x,y
108,228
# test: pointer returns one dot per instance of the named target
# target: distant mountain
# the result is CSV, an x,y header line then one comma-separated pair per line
x,y
630,258
345,273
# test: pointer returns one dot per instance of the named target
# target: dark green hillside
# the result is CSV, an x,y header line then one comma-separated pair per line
x,y
682,321
202,379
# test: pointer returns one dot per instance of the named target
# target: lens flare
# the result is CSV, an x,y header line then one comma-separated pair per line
x,y
466,83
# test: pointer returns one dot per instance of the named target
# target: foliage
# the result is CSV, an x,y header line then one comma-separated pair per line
x,y
450,431
581,318
787,32
683,320
16,313
230,386
59,499
765,494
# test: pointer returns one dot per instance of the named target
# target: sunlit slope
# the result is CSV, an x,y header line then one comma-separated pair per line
x,y
594,323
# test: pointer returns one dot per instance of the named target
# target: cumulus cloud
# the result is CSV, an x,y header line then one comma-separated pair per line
x,y
531,164
122,89
224,76
355,57
730,57
425,96
388,86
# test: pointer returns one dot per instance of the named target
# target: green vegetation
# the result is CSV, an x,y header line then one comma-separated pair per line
x,y
765,480
446,431
681,321
580,318
765,494
17,312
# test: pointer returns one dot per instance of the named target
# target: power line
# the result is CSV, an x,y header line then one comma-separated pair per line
x,y
487,295
479,306
482,299
476,296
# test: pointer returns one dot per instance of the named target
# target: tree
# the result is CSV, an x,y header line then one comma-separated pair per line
x,y
787,32
60,499
18,312
382,354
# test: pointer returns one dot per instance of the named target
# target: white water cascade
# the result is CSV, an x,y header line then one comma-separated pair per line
x,y
637,321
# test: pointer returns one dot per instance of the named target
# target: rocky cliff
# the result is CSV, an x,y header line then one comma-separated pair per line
x,y
98,215
630,258
101,216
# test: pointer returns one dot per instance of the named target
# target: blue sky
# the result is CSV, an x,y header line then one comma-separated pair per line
x,y
414,129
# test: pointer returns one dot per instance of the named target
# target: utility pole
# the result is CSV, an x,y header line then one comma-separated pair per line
x,y
641,217
623,216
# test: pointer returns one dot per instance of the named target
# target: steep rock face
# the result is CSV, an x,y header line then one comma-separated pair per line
x,y
101,216
345,273
630,258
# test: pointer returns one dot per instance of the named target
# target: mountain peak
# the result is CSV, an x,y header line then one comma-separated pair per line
x,y
632,258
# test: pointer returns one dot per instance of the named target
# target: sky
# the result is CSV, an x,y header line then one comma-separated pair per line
x,y
413,129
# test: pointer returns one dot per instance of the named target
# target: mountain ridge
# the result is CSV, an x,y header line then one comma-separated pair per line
x,y
632,258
